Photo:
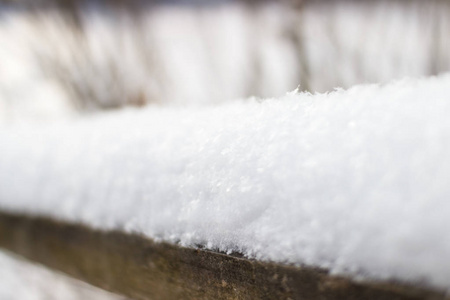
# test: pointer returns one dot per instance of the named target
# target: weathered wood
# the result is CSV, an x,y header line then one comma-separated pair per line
x,y
137,267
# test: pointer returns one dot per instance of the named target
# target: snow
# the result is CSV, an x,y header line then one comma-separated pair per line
x,y
22,280
353,180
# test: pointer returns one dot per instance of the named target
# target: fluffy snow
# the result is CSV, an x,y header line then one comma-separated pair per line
x,y
355,180
22,280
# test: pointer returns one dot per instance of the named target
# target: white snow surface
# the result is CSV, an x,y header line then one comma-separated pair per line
x,y
355,180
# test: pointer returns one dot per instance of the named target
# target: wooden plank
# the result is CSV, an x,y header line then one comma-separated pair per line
x,y
137,267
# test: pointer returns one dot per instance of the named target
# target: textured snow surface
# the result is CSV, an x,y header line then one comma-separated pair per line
x,y
22,280
356,181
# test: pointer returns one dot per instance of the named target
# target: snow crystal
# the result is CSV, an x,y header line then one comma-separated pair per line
x,y
356,181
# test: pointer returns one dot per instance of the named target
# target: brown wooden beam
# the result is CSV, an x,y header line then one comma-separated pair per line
x,y
137,267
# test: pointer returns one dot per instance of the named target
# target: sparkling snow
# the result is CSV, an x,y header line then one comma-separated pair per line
x,y
356,181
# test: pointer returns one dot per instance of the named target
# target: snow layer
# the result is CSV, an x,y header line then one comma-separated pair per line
x,y
356,181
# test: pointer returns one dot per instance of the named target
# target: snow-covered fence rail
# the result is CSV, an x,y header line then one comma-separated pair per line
x,y
354,182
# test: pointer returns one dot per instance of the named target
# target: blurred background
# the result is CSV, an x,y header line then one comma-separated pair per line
x,y
62,58
22,280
